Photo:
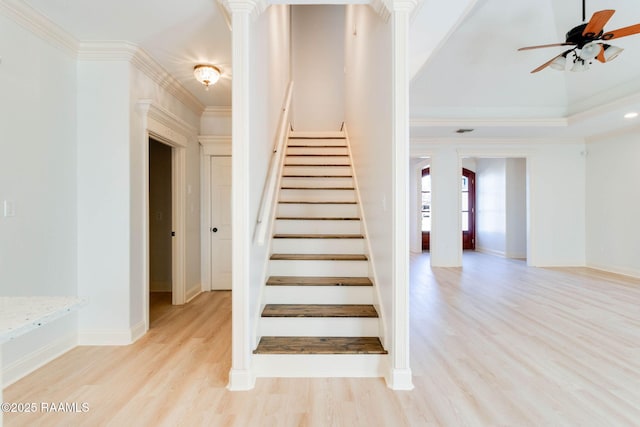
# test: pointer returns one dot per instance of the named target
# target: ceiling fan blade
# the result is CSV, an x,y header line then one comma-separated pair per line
x,y
546,45
546,64
598,21
622,32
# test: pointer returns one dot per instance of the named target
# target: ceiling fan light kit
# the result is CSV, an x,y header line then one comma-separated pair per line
x,y
587,41
611,52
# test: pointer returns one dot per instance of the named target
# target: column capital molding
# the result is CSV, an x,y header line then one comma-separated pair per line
x,y
401,5
385,8
250,7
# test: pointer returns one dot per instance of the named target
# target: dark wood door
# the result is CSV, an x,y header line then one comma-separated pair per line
x,y
468,209
426,208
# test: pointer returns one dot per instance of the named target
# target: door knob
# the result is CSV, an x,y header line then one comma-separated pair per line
x,y
214,229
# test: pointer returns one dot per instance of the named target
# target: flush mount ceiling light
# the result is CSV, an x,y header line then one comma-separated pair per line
x,y
631,115
206,74
588,43
464,130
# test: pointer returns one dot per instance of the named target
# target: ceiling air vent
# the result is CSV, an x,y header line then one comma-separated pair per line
x,y
464,130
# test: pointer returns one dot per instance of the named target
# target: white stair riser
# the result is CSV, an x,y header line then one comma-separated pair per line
x,y
317,170
318,246
317,210
318,268
317,182
320,365
317,150
320,195
291,226
319,326
318,295
317,160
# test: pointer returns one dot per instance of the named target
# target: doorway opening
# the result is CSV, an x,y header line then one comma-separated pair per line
x,y
467,208
160,229
501,206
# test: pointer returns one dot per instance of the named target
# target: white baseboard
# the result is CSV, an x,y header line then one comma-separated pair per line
x,y
490,251
138,331
631,272
111,336
241,380
36,359
192,293
399,379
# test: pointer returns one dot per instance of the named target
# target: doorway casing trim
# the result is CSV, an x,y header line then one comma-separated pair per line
x,y
167,128
210,146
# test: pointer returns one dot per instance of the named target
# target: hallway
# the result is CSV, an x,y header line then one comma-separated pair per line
x,y
493,343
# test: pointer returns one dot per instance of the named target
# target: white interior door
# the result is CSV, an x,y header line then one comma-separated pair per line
x,y
220,223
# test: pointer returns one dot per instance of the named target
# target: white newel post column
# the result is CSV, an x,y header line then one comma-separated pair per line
x,y
400,375
240,375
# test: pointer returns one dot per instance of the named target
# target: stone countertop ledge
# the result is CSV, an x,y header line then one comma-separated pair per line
x,y
19,315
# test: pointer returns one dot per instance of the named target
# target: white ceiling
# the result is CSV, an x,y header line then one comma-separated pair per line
x,y
466,69
478,79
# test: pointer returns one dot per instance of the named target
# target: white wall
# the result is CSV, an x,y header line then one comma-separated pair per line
x,y
37,174
112,148
613,203
317,54
104,199
368,117
269,80
491,206
557,199
516,206
216,121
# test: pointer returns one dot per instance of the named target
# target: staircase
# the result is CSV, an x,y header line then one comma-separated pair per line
x,y
318,300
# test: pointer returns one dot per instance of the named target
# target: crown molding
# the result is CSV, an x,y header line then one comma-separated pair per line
x,y
139,58
41,26
252,7
478,122
380,8
628,101
106,50
221,111
38,24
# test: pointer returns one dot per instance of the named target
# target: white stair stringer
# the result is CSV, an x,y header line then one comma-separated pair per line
x,y
319,238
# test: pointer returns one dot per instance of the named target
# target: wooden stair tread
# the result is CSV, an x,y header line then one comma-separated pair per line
x,y
319,257
315,146
317,137
318,281
317,188
319,310
320,345
317,218
319,164
318,236
317,176
310,202
318,155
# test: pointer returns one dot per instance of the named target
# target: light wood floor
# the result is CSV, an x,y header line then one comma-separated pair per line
x,y
493,344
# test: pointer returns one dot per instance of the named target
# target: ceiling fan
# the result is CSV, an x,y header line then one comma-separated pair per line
x,y
588,41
